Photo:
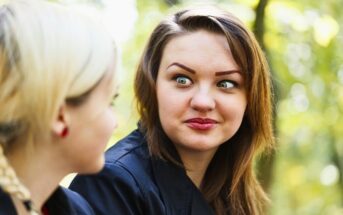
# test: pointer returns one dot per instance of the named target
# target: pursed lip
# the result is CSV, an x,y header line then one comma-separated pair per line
x,y
201,123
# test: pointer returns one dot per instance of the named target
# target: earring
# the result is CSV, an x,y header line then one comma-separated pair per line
x,y
65,132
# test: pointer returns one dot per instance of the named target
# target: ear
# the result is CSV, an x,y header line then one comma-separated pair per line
x,y
60,123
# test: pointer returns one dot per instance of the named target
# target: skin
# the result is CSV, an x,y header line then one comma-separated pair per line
x,y
92,124
198,79
90,127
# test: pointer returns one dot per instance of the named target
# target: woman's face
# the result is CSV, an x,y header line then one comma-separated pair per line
x,y
200,92
91,125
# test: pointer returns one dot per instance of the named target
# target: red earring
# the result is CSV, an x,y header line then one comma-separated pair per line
x,y
65,132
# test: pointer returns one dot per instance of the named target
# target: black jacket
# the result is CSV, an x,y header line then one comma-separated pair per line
x,y
61,202
134,183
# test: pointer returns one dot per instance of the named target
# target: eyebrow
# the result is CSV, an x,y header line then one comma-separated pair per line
x,y
228,72
182,66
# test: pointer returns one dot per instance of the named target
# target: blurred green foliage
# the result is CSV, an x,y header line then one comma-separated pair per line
x,y
304,42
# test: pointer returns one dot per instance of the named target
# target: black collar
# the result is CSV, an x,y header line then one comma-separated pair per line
x,y
178,191
57,204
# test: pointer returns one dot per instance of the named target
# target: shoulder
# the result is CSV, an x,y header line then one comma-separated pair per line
x,y
78,203
133,144
64,201
126,182
127,164
113,189
128,158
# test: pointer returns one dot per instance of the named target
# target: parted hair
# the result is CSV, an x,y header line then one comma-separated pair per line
x,y
229,184
49,55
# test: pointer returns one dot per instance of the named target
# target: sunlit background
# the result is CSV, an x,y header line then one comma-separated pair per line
x,y
303,40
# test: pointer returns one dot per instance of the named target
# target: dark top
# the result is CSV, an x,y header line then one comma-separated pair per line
x,y
61,202
132,182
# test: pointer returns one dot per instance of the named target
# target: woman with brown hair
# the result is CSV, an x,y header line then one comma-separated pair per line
x,y
204,97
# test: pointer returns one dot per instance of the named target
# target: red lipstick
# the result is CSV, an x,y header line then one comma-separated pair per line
x,y
201,123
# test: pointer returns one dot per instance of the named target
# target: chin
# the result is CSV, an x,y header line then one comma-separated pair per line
x,y
205,144
200,147
205,148
94,167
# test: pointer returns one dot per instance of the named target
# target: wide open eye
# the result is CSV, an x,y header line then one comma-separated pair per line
x,y
183,80
226,84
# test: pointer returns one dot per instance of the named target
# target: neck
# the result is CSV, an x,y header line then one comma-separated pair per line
x,y
196,164
38,171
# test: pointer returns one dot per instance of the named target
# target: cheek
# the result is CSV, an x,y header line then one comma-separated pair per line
x,y
166,105
161,98
163,110
234,109
107,123
111,121
171,103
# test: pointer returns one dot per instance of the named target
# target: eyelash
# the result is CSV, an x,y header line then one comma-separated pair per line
x,y
234,84
176,77
114,98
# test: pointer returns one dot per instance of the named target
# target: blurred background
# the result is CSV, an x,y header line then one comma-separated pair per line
x,y
303,40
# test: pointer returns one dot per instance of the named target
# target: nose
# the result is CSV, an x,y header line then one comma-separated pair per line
x,y
115,123
112,120
203,101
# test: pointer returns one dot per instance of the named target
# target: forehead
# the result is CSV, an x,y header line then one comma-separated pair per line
x,y
108,83
199,47
199,39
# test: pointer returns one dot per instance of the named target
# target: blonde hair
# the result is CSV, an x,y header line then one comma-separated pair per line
x,y
48,55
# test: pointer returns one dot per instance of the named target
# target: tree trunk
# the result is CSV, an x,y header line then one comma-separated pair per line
x,y
335,157
266,163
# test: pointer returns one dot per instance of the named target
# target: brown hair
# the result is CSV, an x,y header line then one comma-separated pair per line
x,y
229,185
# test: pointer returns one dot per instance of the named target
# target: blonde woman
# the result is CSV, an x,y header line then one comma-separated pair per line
x,y
56,86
